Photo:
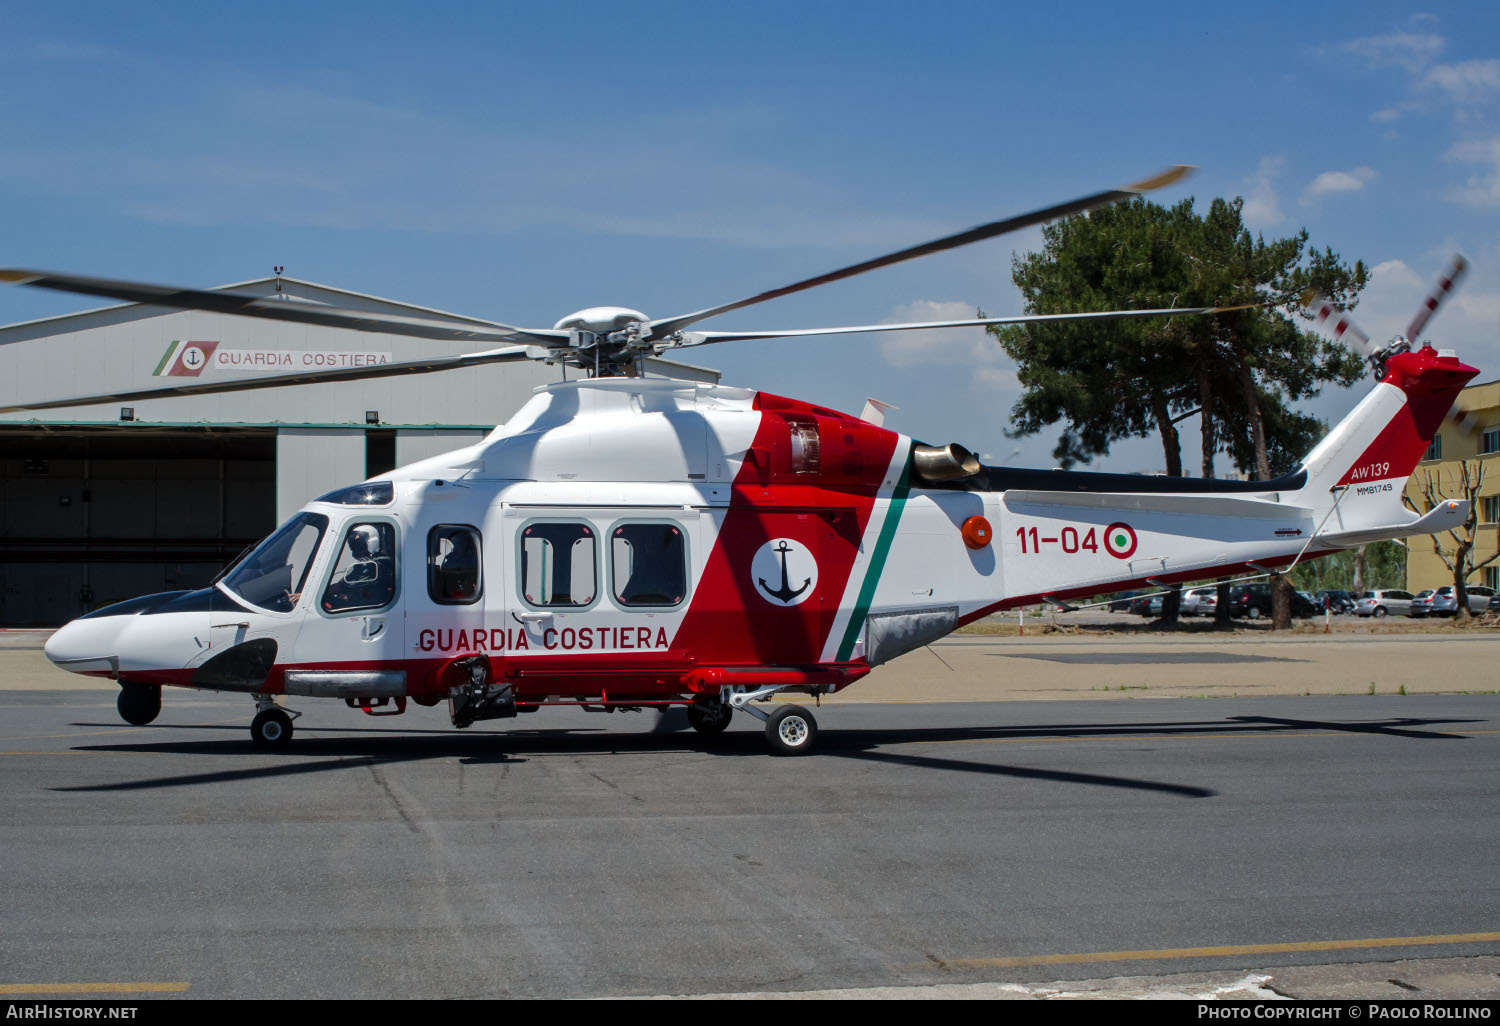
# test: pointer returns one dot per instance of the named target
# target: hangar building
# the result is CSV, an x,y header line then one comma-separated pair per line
x,y
110,501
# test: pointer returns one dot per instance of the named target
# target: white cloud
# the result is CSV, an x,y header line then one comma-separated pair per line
x,y
983,362
1482,188
1410,50
1330,182
1261,205
1467,81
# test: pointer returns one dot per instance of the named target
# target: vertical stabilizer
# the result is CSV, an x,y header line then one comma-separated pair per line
x,y
1369,455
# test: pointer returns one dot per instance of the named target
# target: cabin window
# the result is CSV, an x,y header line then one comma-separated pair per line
x,y
648,564
364,577
559,565
273,574
453,574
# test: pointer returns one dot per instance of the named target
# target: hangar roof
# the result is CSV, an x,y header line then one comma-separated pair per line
x,y
135,346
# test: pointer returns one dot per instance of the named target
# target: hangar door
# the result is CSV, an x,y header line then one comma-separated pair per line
x,y
94,516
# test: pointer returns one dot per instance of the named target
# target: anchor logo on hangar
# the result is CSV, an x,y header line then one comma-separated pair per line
x,y
777,564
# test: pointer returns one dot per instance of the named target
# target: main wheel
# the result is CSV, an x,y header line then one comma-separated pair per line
x,y
271,728
139,703
791,730
709,717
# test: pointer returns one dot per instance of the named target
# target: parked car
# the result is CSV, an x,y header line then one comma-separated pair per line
x,y
1421,604
1494,606
1334,599
1147,605
1445,602
1254,601
1200,601
1121,602
1383,602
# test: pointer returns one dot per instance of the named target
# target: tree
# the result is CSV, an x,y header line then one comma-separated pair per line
x,y
1461,558
1240,371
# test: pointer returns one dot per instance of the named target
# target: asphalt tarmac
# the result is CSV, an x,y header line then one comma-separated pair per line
x,y
1336,843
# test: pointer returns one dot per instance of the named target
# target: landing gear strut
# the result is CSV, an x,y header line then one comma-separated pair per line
x,y
272,726
139,703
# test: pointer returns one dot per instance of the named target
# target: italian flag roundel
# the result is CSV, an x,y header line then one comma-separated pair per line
x,y
1119,540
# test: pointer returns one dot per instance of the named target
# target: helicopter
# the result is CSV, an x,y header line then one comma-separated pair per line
x,y
626,542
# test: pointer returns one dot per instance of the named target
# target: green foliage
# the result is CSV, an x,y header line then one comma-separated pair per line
x,y
1107,380
1385,567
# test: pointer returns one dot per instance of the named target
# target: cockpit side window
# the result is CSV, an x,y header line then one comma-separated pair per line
x,y
453,562
273,574
365,575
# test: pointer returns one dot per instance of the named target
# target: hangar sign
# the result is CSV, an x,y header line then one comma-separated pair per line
x,y
188,359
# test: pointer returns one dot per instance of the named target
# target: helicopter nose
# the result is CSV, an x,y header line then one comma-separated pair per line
x,y
87,646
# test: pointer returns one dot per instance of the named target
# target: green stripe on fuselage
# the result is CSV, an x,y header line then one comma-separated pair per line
x,y
877,562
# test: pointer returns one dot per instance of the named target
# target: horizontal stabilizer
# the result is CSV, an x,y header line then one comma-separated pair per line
x,y
1444,517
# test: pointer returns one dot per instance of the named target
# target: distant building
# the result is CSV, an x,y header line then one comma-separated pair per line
x,y
123,498
1478,437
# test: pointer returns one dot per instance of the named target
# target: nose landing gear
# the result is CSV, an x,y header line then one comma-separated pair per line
x,y
272,726
139,704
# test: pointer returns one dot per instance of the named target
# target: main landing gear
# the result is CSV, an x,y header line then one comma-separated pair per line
x,y
272,726
790,729
139,704
709,715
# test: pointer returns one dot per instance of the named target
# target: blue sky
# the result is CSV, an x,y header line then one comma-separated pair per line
x,y
520,161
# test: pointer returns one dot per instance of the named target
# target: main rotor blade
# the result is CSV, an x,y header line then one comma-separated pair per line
x,y
284,308
1446,284
383,370
667,325
709,337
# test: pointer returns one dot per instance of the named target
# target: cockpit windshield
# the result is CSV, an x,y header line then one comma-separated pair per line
x,y
273,574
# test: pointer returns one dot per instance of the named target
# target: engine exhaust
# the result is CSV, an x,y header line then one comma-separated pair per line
x,y
944,463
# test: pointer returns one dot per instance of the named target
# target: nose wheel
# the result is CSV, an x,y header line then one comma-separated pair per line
x,y
272,726
139,704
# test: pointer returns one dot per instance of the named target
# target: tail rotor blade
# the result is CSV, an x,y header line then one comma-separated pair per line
x,y
1446,284
1329,317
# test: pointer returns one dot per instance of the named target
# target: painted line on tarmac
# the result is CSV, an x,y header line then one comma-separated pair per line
x,y
1194,737
14,989
1219,951
117,730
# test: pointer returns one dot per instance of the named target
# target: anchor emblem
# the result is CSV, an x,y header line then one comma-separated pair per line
x,y
765,565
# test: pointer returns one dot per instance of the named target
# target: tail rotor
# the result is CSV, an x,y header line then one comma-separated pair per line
x,y
1327,316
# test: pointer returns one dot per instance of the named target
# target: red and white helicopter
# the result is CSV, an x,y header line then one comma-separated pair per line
x,y
627,542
